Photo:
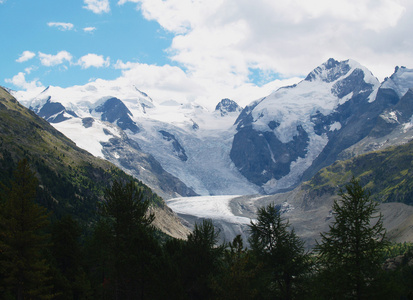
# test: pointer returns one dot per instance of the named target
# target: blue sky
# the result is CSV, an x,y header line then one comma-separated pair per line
x,y
196,50
53,26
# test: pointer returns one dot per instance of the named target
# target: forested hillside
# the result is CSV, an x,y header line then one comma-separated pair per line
x,y
122,258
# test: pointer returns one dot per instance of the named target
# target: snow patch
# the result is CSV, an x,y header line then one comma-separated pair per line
x,y
86,138
390,117
335,126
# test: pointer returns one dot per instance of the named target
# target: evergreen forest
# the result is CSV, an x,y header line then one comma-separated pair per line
x,y
120,254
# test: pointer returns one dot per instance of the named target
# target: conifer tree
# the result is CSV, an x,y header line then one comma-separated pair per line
x,y
22,239
203,256
133,247
69,278
280,252
236,280
350,252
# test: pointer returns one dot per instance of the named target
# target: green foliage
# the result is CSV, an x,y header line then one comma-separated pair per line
x,y
69,277
350,254
123,259
396,249
131,245
98,254
236,281
280,251
203,260
22,239
192,267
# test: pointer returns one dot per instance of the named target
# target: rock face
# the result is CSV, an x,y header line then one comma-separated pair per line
x,y
393,125
228,106
127,155
176,146
102,126
261,156
54,112
288,136
114,110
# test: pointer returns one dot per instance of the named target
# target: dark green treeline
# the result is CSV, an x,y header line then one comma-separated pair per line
x,y
120,255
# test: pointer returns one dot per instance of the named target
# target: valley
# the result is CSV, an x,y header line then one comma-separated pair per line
x,y
231,215
206,150
275,148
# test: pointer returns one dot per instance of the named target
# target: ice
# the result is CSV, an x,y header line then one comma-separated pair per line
x,y
208,207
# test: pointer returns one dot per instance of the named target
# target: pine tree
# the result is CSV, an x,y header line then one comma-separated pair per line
x,y
69,277
202,260
22,238
133,248
280,252
99,258
236,280
350,253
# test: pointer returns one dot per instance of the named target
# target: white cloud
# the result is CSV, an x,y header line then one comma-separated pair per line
x,y
25,56
218,42
30,69
50,60
124,66
287,37
19,81
182,15
97,6
61,26
93,60
121,2
89,29
171,82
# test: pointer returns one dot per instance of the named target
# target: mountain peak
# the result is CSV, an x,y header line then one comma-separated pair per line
x,y
400,81
329,71
226,106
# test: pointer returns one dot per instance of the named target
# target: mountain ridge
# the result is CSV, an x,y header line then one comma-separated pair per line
x,y
271,145
72,181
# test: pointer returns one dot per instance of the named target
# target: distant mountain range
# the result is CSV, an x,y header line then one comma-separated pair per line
x,y
339,110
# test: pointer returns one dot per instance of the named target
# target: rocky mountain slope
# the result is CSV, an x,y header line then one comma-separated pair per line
x,y
291,134
100,125
387,174
72,180
339,110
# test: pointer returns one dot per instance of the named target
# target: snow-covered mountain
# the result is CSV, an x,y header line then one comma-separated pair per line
x,y
394,125
280,136
270,145
286,137
178,149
